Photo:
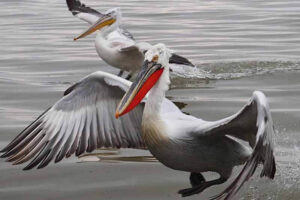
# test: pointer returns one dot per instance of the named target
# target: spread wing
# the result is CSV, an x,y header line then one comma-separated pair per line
x,y
254,125
83,12
83,120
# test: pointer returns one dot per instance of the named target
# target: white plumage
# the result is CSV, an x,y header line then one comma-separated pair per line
x,y
114,44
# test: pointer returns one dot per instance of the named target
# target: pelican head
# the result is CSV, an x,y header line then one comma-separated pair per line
x,y
155,63
114,12
110,20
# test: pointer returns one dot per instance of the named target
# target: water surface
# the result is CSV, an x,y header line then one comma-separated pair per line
x,y
239,46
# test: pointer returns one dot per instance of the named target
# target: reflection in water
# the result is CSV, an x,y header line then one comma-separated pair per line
x,y
114,156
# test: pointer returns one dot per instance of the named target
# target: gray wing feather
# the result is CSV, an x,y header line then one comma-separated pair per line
x,y
132,48
254,125
126,33
81,121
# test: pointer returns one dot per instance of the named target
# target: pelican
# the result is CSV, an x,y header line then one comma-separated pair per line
x,y
104,110
114,44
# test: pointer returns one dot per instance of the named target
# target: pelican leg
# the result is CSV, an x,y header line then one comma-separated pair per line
x,y
121,73
199,188
129,77
196,179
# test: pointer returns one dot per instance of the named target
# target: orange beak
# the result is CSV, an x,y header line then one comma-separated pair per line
x,y
106,20
148,76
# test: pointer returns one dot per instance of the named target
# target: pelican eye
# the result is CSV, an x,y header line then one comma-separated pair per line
x,y
155,58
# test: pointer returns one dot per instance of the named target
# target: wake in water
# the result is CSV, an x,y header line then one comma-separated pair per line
x,y
232,70
181,75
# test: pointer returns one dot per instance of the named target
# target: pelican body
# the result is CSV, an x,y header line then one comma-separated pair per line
x,y
114,44
186,143
127,60
104,110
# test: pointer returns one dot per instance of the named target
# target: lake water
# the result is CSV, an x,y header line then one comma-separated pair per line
x,y
239,46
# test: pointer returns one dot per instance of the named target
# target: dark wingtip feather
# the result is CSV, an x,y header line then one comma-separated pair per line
x,y
269,168
273,169
50,156
176,59
58,159
27,168
70,89
4,155
75,6
39,158
43,165
18,139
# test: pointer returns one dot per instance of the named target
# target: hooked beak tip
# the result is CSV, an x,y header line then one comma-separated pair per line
x,y
117,115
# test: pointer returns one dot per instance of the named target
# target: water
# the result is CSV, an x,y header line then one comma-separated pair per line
x,y
238,46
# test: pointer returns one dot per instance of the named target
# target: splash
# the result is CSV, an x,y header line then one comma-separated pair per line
x,y
232,70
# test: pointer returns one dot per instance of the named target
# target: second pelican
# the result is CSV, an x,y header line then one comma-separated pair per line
x,y
114,44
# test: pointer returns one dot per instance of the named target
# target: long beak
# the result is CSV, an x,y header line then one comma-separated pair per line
x,y
106,20
148,76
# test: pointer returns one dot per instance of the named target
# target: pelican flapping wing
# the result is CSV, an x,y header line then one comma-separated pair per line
x,y
83,120
254,125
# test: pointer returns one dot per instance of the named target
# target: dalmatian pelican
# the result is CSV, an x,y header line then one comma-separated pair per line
x,y
115,44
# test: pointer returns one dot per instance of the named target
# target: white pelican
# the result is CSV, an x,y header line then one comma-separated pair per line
x,y
114,44
84,119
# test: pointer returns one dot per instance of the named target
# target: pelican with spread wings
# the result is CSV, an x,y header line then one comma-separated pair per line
x,y
104,110
114,44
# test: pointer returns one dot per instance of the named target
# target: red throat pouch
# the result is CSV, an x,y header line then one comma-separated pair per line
x,y
149,83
